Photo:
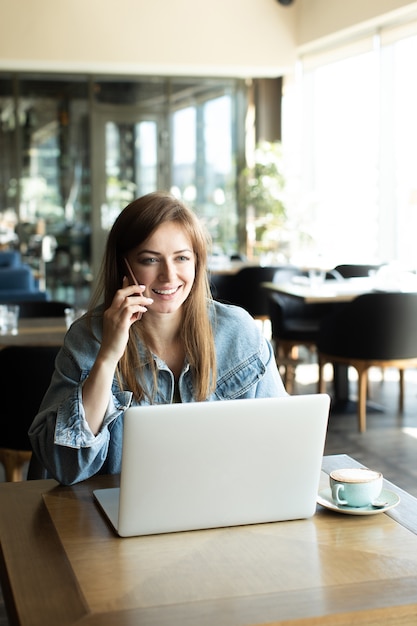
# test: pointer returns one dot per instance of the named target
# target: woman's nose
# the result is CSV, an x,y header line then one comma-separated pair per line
x,y
167,271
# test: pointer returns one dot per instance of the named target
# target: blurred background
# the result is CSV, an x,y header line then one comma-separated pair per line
x,y
290,128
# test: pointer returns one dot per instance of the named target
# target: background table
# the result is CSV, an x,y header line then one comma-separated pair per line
x,y
330,291
37,331
62,564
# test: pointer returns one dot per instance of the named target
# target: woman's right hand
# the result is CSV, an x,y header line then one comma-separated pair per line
x,y
127,307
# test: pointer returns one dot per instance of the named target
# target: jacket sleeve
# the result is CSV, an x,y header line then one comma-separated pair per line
x,y
60,435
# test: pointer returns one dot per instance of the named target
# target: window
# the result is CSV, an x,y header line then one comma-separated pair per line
x,y
350,122
74,151
203,166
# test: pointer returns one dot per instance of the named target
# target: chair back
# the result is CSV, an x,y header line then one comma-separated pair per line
x,y
29,368
246,290
221,286
42,308
10,258
373,326
355,270
292,317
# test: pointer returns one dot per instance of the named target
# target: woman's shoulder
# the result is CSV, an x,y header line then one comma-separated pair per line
x,y
86,329
230,312
233,321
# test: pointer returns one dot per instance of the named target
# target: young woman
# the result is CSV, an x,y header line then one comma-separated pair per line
x,y
158,337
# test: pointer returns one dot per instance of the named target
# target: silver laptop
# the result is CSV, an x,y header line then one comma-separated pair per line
x,y
214,464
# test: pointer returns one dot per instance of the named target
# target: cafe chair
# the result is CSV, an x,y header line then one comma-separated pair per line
x,y
294,324
352,270
244,289
355,270
221,287
373,330
46,308
27,369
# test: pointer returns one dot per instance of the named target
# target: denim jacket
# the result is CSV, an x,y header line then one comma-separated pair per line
x,y
60,435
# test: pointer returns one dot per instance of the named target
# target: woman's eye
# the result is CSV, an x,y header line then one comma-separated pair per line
x,y
183,258
149,261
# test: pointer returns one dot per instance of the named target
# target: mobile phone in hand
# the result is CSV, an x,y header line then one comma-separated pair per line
x,y
131,274
133,281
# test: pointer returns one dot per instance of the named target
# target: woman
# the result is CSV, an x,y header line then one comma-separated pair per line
x,y
157,338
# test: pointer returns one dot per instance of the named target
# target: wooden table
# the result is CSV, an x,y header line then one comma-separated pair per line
x,y
62,565
229,268
333,291
37,331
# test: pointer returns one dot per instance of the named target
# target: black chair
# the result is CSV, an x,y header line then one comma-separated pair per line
x,y
221,286
244,289
39,308
294,323
355,270
29,369
373,330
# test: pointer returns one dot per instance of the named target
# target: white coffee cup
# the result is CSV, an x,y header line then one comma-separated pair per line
x,y
355,487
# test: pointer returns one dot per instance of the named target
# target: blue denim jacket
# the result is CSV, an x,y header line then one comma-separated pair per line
x,y
60,435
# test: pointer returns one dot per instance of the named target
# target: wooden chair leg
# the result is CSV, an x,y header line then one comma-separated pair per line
x,y
287,358
362,387
402,389
289,377
13,462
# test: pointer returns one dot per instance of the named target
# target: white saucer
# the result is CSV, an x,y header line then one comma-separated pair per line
x,y
325,499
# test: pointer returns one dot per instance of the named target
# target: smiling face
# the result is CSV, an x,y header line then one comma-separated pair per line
x,y
165,264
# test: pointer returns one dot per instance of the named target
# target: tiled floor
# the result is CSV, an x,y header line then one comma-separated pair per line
x,y
390,442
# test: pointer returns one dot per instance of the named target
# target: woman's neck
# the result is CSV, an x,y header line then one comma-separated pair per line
x,y
161,329
163,336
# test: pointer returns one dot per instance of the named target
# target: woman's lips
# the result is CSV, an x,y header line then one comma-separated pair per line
x,y
166,292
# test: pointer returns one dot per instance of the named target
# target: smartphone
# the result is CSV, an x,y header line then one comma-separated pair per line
x,y
133,282
130,272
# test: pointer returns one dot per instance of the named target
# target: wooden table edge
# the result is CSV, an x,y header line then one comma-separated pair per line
x,y
66,603
63,588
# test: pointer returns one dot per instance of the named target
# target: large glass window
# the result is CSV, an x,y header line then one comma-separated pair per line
x,y
184,153
400,63
203,170
8,164
131,163
74,151
46,161
351,125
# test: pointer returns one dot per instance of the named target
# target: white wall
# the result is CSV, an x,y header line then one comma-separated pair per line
x,y
328,19
164,37
241,38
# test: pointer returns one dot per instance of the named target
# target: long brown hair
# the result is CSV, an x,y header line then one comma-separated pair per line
x,y
132,227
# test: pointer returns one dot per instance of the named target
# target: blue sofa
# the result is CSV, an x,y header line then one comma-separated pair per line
x,y
10,258
17,282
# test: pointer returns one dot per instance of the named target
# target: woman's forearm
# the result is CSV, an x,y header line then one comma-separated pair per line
x,y
96,392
